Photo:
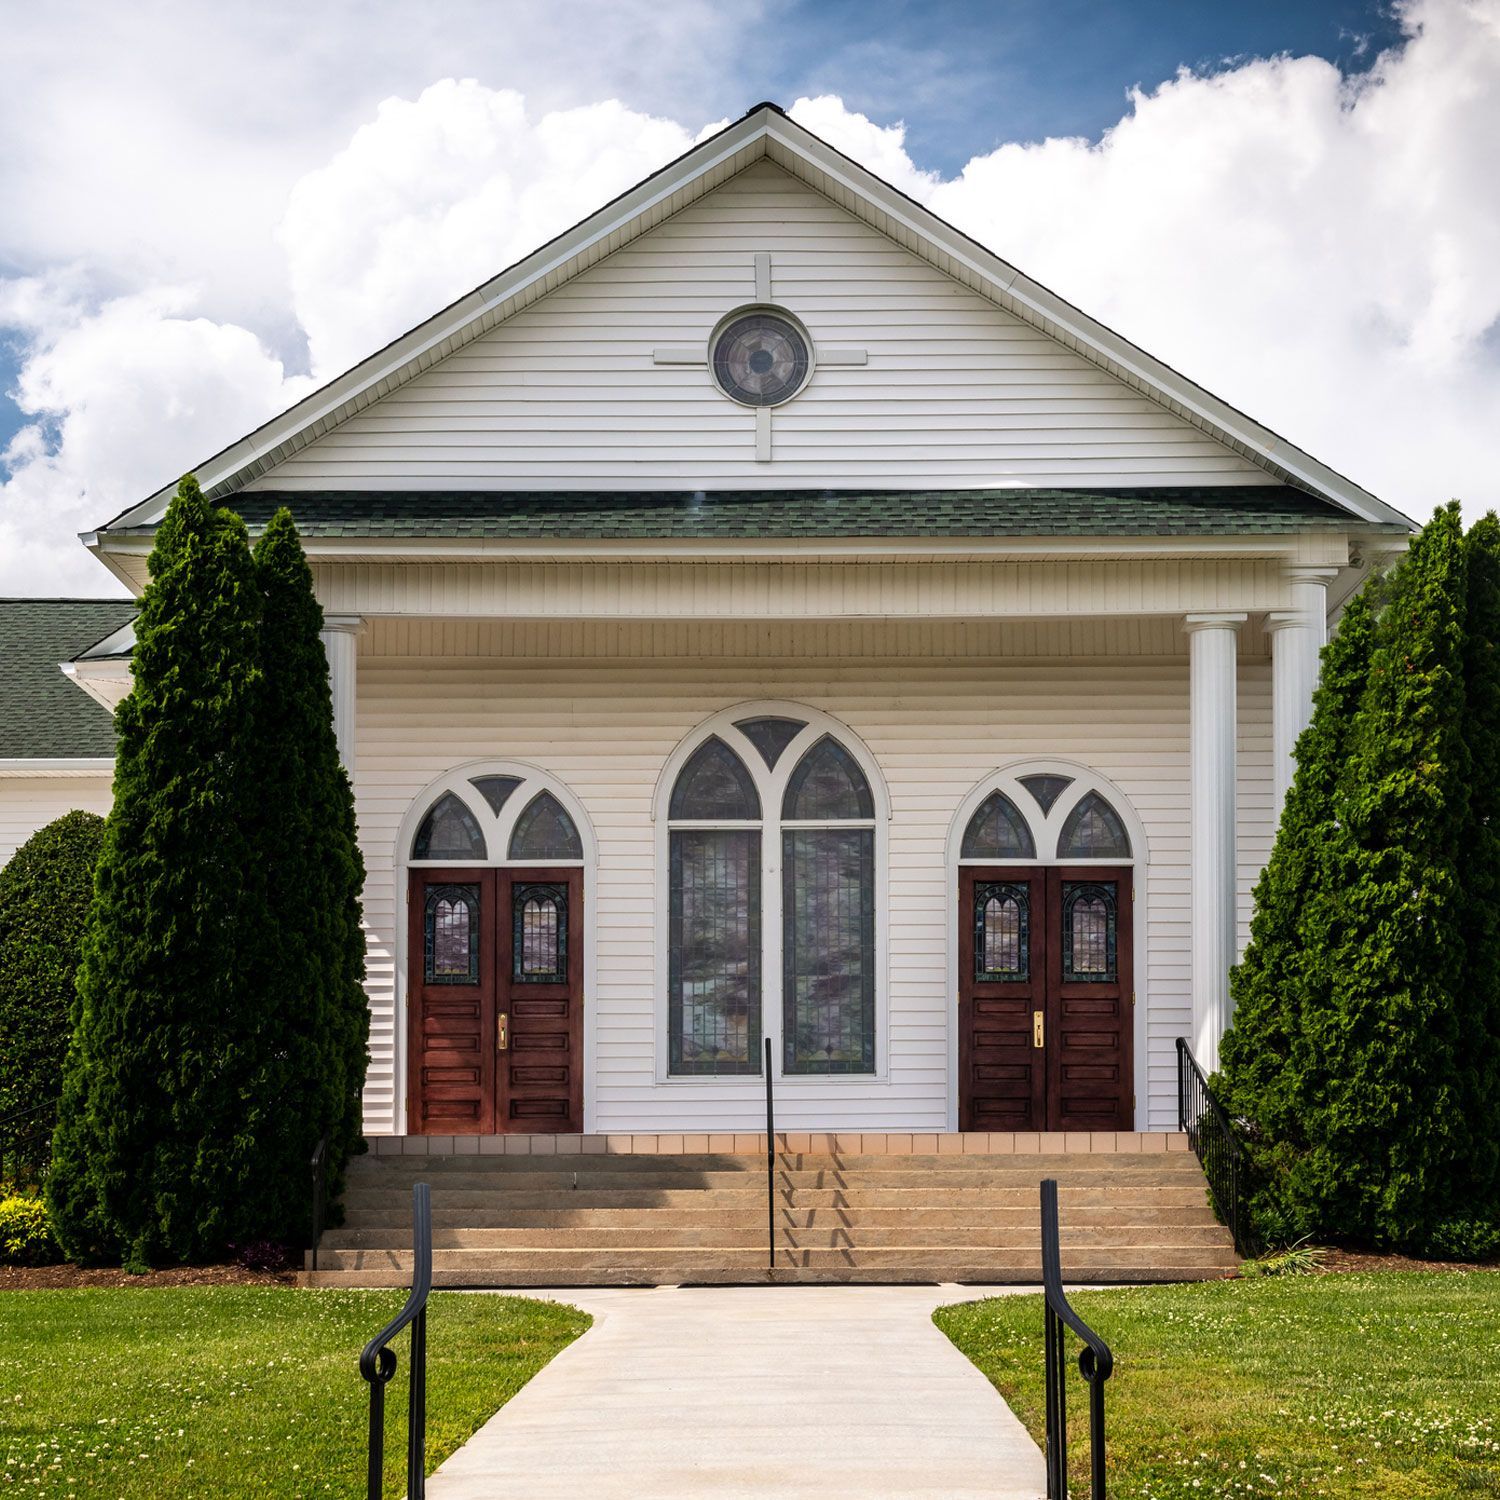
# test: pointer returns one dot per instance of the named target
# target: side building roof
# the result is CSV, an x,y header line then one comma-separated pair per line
x,y
44,716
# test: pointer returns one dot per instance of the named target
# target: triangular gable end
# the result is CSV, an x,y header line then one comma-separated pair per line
x,y
765,133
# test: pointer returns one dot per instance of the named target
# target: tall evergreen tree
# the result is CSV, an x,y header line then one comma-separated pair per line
x,y
1373,1075
155,1138
1269,985
1472,1220
310,964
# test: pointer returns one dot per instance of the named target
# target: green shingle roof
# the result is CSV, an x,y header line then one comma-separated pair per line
x,y
42,713
1230,510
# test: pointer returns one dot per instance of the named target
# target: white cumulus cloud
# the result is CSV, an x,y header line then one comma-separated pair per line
x,y
1322,251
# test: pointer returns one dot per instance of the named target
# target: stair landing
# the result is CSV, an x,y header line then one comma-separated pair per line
x,y
556,1211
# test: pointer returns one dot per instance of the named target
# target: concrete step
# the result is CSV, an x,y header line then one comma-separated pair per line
x,y
753,1237
1044,1164
700,1257
649,1276
1188,1194
796,1216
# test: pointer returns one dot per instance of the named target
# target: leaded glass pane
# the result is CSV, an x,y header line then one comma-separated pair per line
x,y
714,784
1089,936
1046,789
828,784
713,962
1002,927
545,831
539,933
449,832
828,912
770,735
1093,831
495,790
451,935
998,831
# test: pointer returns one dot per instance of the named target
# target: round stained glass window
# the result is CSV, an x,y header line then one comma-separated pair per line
x,y
761,359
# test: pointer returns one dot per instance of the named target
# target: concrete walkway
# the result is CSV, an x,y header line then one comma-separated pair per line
x,y
827,1393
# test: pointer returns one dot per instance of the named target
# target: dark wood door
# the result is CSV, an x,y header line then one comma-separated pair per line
x,y
495,1001
1044,998
1002,988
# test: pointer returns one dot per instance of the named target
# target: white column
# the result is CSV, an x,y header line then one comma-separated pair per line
x,y
1213,646
1297,638
341,641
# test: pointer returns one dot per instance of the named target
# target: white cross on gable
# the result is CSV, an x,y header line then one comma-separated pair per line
x,y
699,356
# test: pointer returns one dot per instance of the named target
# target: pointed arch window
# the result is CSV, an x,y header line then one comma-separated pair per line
x,y
715,785
1093,830
828,915
544,831
714,911
998,831
449,832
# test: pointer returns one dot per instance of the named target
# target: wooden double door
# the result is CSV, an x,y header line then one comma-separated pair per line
x,y
495,1001
1045,998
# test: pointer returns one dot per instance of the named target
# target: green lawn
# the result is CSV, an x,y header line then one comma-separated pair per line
x,y
228,1391
1343,1385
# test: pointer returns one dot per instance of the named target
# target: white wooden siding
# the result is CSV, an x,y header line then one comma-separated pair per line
x,y
938,705
28,803
956,392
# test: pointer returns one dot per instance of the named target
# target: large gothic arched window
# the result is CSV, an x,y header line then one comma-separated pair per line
x,y
728,805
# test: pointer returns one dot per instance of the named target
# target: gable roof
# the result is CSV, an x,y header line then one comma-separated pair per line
x,y
44,716
766,131
640,515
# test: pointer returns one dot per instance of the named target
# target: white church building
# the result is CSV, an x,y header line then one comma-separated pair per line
x,y
764,613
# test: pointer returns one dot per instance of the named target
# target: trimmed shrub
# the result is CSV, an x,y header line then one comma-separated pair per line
x,y
45,892
26,1237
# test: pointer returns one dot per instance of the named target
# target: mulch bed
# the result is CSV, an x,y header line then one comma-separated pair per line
x,y
30,1278
1370,1260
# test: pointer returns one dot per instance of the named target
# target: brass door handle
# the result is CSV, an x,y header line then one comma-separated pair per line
x,y
502,1032
1038,1032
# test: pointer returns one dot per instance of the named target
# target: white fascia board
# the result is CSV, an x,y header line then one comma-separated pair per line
x,y
394,362
1331,547
57,765
1102,343
108,683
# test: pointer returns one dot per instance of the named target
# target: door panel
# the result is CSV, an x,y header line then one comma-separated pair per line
x,y
541,991
1073,1070
1089,982
495,1001
1002,984
451,1002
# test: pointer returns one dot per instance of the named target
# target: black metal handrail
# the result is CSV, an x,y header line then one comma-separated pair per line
x,y
319,1166
377,1363
33,1126
1095,1363
770,1166
1216,1143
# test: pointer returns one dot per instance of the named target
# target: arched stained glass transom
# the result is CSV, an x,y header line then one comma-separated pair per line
x,y
495,819
449,832
770,734
828,784
998,831
715,784
544,832
1093,830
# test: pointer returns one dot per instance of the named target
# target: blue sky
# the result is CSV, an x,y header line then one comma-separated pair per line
x,y
964,77
206,208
